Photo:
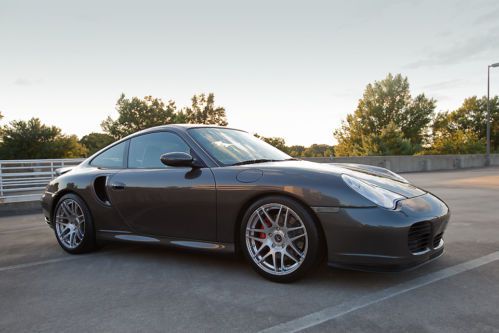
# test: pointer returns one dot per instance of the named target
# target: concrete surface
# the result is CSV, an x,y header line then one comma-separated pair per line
x,y
130,288
418,163
20,208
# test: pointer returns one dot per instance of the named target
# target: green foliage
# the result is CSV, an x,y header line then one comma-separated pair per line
x,y
96,141
203,111
296,150
136,114
386,117
315,150
32,139
456,142
390,141
277,142
470,119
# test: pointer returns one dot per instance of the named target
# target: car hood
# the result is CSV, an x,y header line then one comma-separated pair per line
x,y
380,179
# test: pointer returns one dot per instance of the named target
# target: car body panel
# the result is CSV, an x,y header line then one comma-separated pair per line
x,y
174,202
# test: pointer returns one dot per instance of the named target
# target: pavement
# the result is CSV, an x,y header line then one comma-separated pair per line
x,y
131,288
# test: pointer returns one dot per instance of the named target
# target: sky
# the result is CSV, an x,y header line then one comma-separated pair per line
x,y
292,69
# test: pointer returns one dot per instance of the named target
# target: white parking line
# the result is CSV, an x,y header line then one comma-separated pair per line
x,y
333,312
3,232
38,263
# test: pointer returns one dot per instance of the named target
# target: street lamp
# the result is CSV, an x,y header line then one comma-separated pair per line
x,y
487,156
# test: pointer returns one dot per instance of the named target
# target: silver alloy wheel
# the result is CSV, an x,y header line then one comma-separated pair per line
x,y
70,223
276,239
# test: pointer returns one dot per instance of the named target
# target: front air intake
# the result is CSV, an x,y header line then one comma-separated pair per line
x,y
419,237
437,239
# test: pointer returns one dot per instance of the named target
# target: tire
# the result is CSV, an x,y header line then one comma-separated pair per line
x,y
280,239
73,225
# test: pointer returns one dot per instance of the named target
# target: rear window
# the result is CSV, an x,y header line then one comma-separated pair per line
x,y
111,158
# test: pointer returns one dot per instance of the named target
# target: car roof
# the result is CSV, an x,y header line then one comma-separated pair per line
x,y
181,127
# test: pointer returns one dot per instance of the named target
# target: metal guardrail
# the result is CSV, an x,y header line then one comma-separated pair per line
x,y
25,180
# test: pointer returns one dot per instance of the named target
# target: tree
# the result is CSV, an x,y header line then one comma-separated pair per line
x,y
277,142
96,141
318,150
456,142
32,139
296,150
386,110
204,111
136,114
470,117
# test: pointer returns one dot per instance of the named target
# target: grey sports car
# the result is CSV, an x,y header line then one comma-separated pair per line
x,y
222,189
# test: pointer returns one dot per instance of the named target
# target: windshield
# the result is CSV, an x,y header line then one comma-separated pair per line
x,y
232,147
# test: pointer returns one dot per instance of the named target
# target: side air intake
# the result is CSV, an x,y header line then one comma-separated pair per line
x,y
100,189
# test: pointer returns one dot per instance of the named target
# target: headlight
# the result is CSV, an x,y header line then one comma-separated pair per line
x,y
378,195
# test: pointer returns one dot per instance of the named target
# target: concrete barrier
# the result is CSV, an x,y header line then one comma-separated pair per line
x,y
418,163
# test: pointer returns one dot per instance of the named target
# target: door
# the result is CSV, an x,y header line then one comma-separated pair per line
x,y
154,199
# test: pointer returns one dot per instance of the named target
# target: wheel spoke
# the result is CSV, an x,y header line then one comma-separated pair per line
x,y
65,208
74,208
278,248
258,239
291,245
265,257
295,228
255,230
79,233
259,250
278,216
64,236
72,238
287,254
296,237
268,217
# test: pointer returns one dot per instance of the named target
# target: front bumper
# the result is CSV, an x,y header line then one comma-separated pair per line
x,y
378,239
46,203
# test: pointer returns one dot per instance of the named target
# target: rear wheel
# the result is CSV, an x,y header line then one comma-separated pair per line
x,y
280,239
73,225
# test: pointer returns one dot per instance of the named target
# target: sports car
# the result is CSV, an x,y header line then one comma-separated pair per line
x,y
222,189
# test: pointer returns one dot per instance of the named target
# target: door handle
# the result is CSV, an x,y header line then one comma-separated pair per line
x,y
118,186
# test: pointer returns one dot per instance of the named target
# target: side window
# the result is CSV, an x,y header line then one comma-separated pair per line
x,y
111,158
146,150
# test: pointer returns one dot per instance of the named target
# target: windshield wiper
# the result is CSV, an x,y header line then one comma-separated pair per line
x,y
261,160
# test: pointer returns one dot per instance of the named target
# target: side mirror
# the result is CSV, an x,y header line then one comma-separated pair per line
x,y
179,160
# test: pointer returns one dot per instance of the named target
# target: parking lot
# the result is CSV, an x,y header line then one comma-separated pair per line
x,y
131,288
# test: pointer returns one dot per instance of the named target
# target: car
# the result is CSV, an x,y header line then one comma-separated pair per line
x,y
221,189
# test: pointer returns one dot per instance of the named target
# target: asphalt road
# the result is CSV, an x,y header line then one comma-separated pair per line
x,y
129,288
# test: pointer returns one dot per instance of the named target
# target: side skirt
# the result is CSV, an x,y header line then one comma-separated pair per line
x,y
120,235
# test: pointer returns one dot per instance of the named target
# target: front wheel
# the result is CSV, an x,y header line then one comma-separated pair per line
x,y
73,225
280,239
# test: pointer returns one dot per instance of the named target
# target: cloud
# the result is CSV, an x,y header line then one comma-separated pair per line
x,y
489,17
22,81
444,84
472,48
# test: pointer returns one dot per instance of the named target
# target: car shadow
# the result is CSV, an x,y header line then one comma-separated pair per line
x,y
232,266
